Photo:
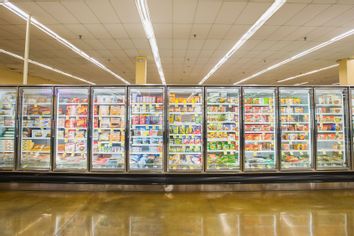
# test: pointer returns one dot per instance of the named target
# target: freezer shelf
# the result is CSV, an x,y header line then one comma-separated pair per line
x,y
36,132
222,117
330,127
108,142
146,122
71,128
296,139
259,129
7,127
185,116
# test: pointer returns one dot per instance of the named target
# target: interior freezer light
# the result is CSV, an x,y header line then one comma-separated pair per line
x,y
144,14
299,84
259,23
45,66
299,55
18,11
307,73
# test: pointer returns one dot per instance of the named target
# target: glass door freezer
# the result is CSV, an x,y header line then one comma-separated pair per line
x,y
332,148
108,128
296,128
259,128
8,105
146,124
72,118
223,126
36,128
185,128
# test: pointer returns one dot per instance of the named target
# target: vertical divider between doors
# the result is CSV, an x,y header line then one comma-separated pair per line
x,y
241,132
351,127
127,130
165,127
278,130
90,128
52,130
55,124
204,127
17,132
348,130
314,129
313,124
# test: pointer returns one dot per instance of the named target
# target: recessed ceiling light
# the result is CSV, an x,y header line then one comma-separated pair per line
x,y
46,66
259,23
144,14
299,55
18,11
307,73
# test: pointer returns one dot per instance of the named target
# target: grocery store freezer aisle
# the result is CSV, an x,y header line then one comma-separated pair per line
x,y
238,213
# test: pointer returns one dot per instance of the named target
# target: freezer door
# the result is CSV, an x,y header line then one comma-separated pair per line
x,y
331,128
8,105
222,123
146,134
259,129
108,128
185,127
36,128
72,118
296,128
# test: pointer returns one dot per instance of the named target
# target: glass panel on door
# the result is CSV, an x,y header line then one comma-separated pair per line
x,y
8,106
185,115
71,128
330,121
222,117
36,124
108,141
146,118
259,128
296,127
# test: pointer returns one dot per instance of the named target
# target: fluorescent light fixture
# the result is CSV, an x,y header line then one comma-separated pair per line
x,y
299,84
45,66
144,14
259,23
307,73
299,55
10,6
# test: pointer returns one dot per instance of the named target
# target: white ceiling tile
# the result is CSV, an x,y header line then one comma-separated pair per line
x,y
59,12
195,44
180,44
161,11
183,11
200,30
81,11
135,30
79,29
182,31
163,30
207,11
306,14
116,30
127,11
126,43
287,11
98,31
165,44
104,11
218,31
328,14
236,32
211,44
229,11
252,12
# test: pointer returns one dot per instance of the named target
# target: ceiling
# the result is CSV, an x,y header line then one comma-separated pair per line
x,y
192,35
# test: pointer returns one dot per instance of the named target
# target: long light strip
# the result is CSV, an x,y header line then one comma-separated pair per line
x,y
303,83
144,14
301,54
45,66
259,23
307,73
10,6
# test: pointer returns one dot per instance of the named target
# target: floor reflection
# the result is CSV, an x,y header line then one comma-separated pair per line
x,y
256,213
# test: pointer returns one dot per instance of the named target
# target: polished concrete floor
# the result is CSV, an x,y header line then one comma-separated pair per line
x,y
239,213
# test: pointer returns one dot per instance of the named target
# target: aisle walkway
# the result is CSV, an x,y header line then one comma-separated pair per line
x,y
213,214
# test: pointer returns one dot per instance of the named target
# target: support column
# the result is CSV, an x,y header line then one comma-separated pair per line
x,y
27,46
140,70
346,71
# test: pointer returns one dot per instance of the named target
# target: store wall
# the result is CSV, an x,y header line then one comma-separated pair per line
x,y
11,77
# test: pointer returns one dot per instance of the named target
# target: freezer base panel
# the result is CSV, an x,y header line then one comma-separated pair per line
x,y
163,179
